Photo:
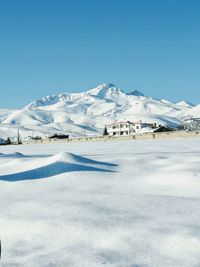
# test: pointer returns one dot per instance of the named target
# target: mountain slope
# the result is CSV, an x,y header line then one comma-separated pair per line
x,y
194,112
87,113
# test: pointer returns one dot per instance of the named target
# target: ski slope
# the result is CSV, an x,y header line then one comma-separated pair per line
x,y
101,204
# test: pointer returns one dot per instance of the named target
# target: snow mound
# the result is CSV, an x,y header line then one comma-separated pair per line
x,y
62,157
146,214
14,155
55,165
76,159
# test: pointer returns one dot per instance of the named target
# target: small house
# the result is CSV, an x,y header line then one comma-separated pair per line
x,y
127,128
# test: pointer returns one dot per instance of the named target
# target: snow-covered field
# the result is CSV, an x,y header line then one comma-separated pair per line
x,y
127,204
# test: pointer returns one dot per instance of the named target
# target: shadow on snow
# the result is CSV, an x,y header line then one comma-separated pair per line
x,y
58,167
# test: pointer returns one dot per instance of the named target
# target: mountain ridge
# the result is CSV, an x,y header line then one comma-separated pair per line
x,y
87,112
98,91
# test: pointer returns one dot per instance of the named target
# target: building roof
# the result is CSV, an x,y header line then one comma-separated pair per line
x,y
120,122
129,122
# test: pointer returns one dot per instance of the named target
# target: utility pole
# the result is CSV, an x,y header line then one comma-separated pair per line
x,y
18,137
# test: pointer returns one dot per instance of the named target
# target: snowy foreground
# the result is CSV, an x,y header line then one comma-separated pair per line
x,y
127,204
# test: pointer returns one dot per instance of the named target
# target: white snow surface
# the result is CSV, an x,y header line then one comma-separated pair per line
x,y
86,113
125,203
193,113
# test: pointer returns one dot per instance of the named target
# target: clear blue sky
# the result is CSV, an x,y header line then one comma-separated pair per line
x,y
51,46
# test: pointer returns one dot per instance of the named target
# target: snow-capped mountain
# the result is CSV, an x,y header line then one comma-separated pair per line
x,y
87,113
193,112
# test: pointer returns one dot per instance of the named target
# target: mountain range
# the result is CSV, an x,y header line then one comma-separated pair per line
x,y
87,113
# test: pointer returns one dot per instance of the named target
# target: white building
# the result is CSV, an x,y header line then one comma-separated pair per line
x,y
127,127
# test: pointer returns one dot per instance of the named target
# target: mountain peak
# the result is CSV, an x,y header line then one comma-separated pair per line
x,y
106,85
185,104
106,90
